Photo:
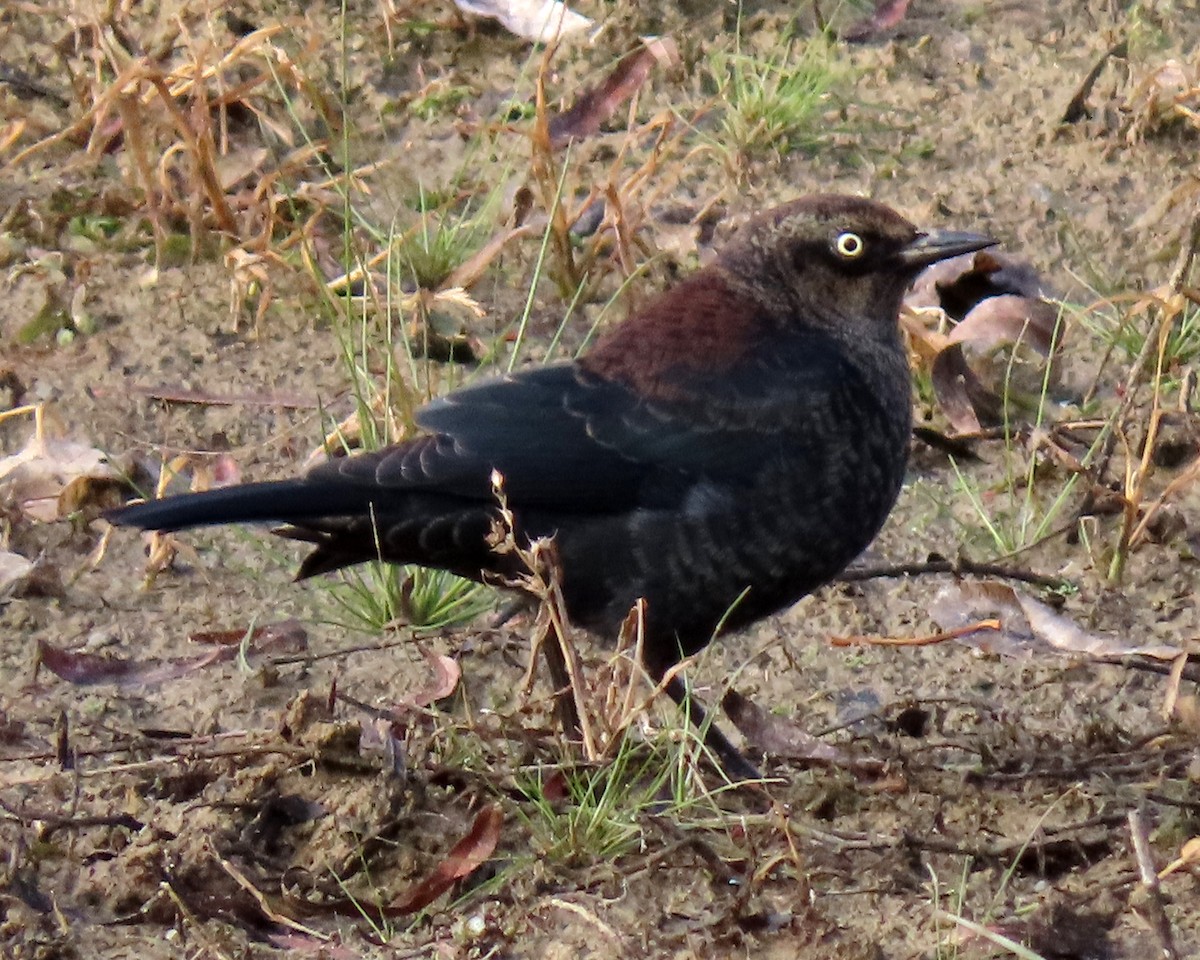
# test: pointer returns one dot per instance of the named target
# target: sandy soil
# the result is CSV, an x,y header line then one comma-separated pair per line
x,y
137,816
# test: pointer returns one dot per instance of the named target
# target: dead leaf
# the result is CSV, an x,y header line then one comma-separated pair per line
x,y
538,20
35,477
959,284
1027,626
284,637
89,491
584,117
88,669
554,789
463,860
1003,348
888,14
1007,319
960,395
446,674
780,737
15,572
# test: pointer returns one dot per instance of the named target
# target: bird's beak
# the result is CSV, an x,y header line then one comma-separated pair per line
x,y
938,245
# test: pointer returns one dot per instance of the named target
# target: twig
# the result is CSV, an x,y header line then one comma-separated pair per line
x,y
48,823
1048,838
925,641
1148,874
1187,257
1076,108
1166,668
957,567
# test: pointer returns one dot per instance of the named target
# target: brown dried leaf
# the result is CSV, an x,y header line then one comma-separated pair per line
x,y
1027,626
87,491
1006,330
466,857
284,637
961,283
88,669
446,674
959,392
36,476
554,787
780,737
584,117
1007,319
888,14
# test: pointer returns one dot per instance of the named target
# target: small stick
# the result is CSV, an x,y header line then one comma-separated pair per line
x,y
1148,874
956,567
925,641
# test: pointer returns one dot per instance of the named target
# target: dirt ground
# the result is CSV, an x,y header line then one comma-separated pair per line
x,y
281,797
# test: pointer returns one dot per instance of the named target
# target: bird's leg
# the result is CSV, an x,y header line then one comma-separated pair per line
x,y
733,763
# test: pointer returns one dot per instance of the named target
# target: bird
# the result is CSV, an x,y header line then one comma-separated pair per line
x,y
728,448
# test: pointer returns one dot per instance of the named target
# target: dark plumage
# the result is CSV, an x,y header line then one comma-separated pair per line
x,y
727,449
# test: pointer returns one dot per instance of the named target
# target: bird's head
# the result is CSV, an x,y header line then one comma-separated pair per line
x,y
840,262
835,265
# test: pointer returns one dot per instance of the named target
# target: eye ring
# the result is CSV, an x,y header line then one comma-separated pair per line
x,y
849,245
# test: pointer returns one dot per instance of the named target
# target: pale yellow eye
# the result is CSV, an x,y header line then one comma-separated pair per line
x,y
849,245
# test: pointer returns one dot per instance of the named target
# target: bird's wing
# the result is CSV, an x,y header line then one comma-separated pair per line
x,y
520,425
565,439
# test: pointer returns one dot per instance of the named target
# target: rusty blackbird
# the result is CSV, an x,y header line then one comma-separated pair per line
x,y
724,451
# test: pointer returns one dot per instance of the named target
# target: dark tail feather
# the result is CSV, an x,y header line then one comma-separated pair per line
x,y
283,501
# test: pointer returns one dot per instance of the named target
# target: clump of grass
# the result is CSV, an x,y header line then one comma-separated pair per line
x,y
439,97
377,595
773,104
1014,517
166,119
1121,334
601,812
442,240
1019,511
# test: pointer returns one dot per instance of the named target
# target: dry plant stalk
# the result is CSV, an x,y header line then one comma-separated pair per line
x,y
627,196
549,180
553,635
1170,304
171,121
162,548
601,730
